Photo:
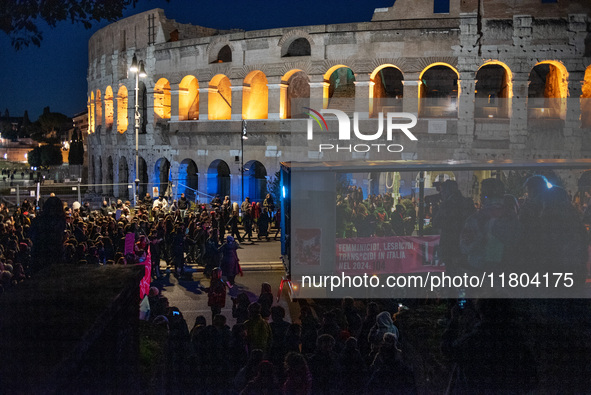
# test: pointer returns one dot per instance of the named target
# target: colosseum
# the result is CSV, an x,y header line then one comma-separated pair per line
x,y
486,79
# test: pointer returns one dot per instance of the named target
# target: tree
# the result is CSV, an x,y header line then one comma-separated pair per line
x,y
274,188
20,19
51,124
45,156
76,154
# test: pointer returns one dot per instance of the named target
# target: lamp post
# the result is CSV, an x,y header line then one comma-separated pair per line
x,y
138,69
243,137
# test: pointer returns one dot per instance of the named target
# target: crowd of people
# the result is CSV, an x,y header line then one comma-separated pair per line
x,y
344,350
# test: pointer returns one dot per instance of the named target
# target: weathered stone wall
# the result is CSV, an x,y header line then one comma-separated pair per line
x,y
463,41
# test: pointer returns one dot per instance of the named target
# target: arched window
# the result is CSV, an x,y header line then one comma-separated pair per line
x,y
109,107
439,92
122,120
162,98
339,87
224,55
255,96
547,91
492,91
295,94
189,99
386,90
220,98
298,47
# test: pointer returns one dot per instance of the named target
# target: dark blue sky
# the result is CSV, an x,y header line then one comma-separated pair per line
x,y
55,74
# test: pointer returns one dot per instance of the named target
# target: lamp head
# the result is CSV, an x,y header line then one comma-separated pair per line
x,y
142,70
133,67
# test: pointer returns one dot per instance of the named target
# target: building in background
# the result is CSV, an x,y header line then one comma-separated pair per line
x,y
487,79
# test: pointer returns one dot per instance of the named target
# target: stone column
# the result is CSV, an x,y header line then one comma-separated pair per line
x,y
362,86
237,92
572,125
203,104
467,85
317,88
150,110
274,86
175,94
410,93
518,120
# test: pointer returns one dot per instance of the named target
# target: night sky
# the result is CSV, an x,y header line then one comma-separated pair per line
x,y
55,74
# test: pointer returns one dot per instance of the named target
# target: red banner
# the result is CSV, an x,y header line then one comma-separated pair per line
x,y
388,255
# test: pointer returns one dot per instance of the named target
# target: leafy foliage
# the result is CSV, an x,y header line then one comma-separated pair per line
x,y
20,19
76,154
45,156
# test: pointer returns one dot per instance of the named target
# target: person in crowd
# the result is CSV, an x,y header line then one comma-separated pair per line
x,y
384,324
451,215
279,328
352,368
266,300
216,293
240,307
249,371
324,366
389,371
230,263
258,331
298,379
490,236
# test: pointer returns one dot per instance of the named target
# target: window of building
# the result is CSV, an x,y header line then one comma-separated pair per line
x,y
441,6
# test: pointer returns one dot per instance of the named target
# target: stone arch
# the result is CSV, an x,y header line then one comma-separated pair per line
x,y
162,99
143,177
296,46
98,108
493,89
188,98
123,178
255,96
122,120
220,98
218,178
339,84
586,100
220,52
143,106
188,179
161,176
109,109
99,174
295,94
439,91
386,89
547,90
110,177
255,181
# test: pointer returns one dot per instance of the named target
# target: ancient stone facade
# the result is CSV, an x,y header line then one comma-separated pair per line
x,y
487,79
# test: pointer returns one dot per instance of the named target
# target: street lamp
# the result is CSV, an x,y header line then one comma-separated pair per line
x,y
243,137
138,69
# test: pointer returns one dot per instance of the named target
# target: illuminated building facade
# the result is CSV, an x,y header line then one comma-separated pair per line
x,y
487,79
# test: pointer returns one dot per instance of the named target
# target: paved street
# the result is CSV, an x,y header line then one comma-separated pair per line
x,y
260,263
